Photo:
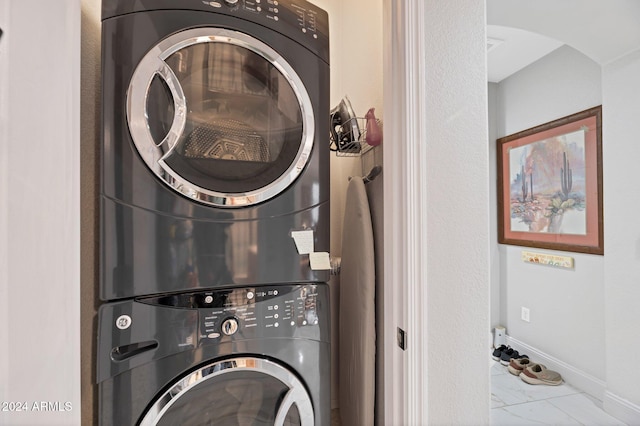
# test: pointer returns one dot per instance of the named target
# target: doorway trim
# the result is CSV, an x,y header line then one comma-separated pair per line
x,y
436,248
405,200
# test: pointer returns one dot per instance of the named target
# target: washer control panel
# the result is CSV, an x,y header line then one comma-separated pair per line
x,y
247,313
263,311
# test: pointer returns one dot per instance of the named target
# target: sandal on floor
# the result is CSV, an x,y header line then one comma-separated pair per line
x,y
517,365
538,374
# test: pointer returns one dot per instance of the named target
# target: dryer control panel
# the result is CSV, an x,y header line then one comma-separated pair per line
x,y
304,18
300,20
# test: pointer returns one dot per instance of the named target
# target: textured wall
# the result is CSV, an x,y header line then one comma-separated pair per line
x,y
621,111
40,204
456,166
4,194
436,212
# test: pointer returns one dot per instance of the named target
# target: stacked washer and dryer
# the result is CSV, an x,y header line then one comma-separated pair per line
x,y
215,115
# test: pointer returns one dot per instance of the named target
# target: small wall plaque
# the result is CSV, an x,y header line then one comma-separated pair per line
x,y
548,259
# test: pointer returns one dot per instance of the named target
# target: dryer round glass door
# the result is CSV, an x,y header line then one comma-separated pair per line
x,y
220,117
237,391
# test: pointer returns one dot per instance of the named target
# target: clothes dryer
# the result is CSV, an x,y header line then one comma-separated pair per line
x,y
215,120
237,356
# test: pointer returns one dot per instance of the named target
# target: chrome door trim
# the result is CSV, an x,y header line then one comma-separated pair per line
x,y
297,393
154,155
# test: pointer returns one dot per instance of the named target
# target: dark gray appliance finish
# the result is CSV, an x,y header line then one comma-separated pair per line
x,y
159,236
223,357
287,17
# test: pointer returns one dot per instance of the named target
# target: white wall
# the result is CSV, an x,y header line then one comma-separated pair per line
x,y
356,72
437,211
4,193
621,151
555,86
608,33
456,216
591,310
40,210
566,306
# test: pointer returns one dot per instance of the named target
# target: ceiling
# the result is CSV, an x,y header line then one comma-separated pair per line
x,y
509,50
525,30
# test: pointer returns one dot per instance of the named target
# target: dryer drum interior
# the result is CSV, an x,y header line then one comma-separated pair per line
x,y
241,390
220,116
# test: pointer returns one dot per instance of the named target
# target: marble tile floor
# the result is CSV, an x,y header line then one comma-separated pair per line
x,y
514,402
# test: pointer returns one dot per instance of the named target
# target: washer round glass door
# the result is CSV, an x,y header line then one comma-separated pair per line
x,y
238,391
220,117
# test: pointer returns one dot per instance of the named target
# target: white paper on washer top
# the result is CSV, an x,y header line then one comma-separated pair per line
x,y
319,261
303,240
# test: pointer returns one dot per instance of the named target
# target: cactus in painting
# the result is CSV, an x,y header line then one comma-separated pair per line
x,y
524,184
565,177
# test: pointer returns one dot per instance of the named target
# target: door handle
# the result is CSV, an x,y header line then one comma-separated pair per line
x,y
122,353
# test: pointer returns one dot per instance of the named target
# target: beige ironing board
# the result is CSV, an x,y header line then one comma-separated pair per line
x,y
357,311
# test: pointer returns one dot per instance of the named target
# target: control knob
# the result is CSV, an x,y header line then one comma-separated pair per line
x,y
230,326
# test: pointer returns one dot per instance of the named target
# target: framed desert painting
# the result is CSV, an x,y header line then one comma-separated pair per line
x,y
550,185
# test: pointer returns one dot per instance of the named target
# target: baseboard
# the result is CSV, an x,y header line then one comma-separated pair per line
x,y
571,375
618,407
622,409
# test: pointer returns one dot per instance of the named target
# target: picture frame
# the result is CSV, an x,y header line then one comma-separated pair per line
x,y
550,185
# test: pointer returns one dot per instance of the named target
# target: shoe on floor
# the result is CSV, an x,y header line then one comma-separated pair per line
x,y
497,352
517,365
507,355
538,374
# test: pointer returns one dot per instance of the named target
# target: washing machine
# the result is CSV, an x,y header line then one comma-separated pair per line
x,y
214,153
236,356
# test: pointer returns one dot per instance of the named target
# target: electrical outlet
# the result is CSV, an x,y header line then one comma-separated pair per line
x,y
402,339
525,314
